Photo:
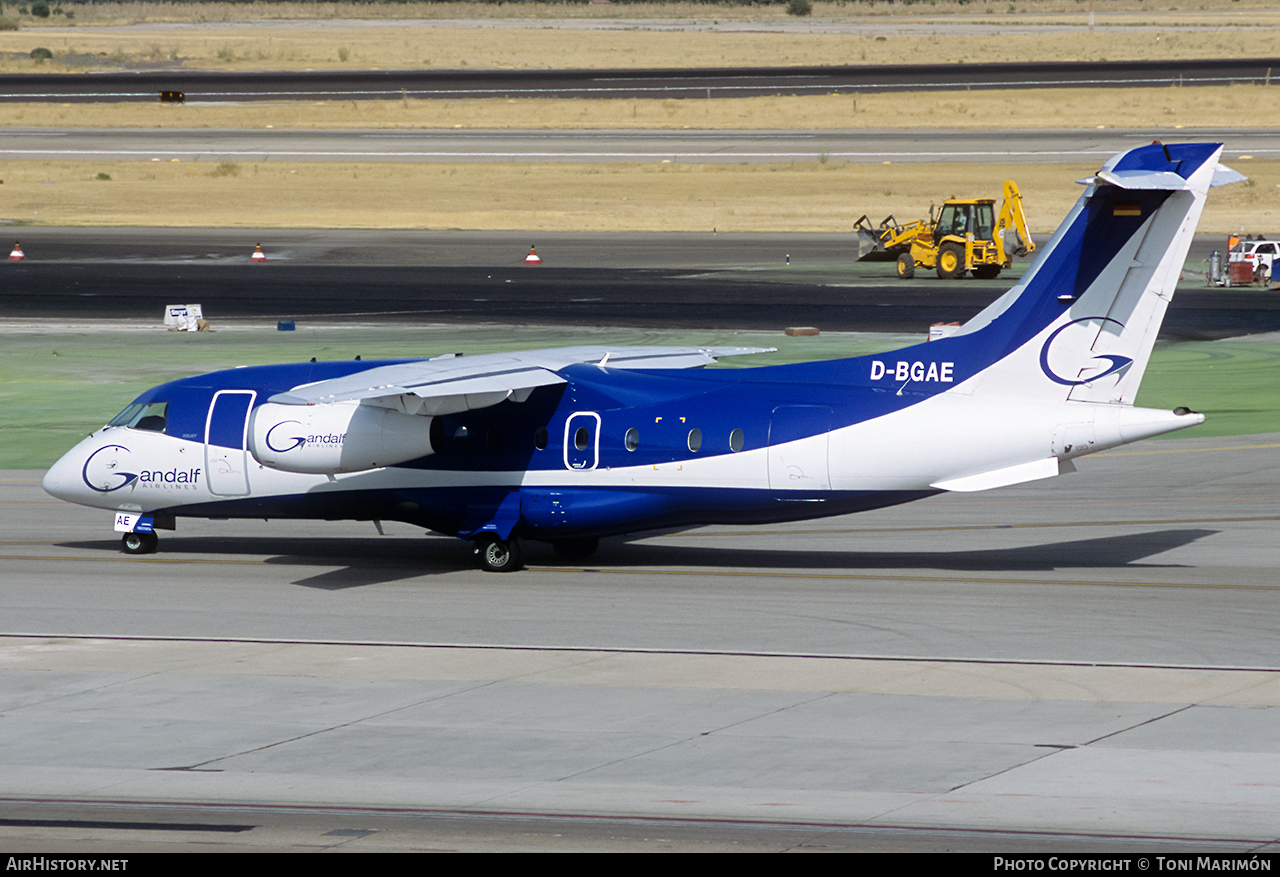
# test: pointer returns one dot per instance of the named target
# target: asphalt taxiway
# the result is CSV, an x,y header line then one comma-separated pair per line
x,y
872,146
1088,661
705,82
709,281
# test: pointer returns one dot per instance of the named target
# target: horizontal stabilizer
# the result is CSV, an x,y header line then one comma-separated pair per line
x,y
1225,176
1165,181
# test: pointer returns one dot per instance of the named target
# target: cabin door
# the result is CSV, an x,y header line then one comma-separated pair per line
x,y
226,461
582,441
798,442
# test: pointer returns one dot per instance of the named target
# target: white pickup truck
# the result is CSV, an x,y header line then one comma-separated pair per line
x,y
1259,255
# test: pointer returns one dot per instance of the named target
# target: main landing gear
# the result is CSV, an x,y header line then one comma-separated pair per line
x,y
499,555
139,543
505,555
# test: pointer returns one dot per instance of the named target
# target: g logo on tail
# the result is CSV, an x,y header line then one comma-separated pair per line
x,y
1118,364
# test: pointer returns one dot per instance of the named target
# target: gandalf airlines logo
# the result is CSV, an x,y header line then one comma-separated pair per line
x,y
299,441
1118,364
107,464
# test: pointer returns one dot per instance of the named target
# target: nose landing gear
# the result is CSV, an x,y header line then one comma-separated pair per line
x,y
139,543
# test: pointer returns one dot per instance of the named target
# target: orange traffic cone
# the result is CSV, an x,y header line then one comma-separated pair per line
x,y
532,258
17,255
258,255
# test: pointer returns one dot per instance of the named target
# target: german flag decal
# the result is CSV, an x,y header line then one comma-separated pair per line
x,y
1126,210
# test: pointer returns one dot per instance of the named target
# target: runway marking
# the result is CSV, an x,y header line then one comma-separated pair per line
x,y
1245,845
955,527
738,573
945,528
134,559
472,155
960,580
636,650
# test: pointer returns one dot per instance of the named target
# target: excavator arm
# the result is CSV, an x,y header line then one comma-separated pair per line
x,y
1012,218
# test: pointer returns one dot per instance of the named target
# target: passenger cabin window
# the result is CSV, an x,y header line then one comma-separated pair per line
x,y
540,438
735,440
150,416
632,439
695,439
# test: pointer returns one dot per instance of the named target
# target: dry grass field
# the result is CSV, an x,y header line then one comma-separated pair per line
x,y
127,13
539,35
389,47
1172,108
810,196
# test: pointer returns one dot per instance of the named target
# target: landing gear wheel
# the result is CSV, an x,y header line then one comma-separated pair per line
x,y
139,543
951,262
499,555
906,266
575,549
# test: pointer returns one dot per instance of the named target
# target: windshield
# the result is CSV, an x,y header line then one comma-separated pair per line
x,y
142,415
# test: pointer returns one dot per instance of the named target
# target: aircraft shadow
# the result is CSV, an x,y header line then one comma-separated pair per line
x,y
1107,551
363,561
374,561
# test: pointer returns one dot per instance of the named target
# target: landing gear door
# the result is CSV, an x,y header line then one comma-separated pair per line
x,y
226,462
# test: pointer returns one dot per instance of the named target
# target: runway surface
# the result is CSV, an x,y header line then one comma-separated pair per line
x,y
1086,661
710,82
729,281
683,146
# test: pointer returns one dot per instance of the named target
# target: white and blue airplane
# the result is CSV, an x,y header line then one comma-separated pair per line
x,y
569,445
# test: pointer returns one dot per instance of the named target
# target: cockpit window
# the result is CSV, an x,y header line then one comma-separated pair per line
x,y
143,415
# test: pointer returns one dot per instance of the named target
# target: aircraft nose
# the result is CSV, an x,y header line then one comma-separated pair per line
x,y
63,480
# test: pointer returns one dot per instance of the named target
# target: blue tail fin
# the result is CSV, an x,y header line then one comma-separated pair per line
x,y
1081,323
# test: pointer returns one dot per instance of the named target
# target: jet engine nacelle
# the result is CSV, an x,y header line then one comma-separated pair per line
x,y
338,437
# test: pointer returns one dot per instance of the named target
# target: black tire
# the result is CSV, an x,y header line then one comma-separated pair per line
x,y
951,261
499,555
575,549
986,272
139,543
906,266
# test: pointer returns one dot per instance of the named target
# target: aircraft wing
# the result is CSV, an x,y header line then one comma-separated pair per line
x,y
449,384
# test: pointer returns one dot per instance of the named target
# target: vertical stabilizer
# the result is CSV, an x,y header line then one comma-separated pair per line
x,y
1081,323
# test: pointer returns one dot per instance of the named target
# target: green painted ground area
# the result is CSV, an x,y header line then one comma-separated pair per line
x,y
58,387
1236,383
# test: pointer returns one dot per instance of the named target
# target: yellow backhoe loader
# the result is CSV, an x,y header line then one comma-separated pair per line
x,y
965,236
